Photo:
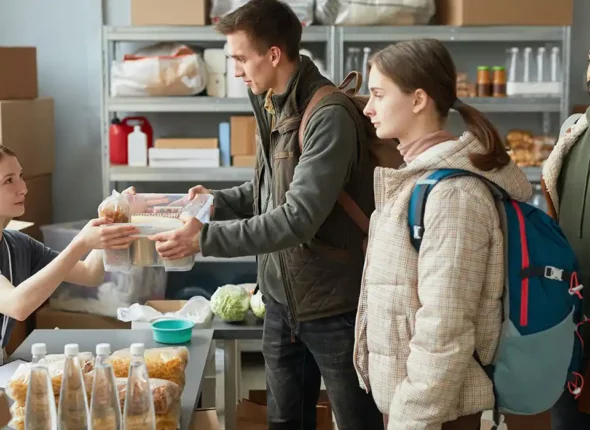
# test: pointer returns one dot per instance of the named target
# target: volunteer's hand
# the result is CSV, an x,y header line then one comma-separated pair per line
x,y
99,234
179,243
199,189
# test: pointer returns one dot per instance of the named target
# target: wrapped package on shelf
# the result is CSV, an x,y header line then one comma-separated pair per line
x,y
119,289
164,69
302,8
374,12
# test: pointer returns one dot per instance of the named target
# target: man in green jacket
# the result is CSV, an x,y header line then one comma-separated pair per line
x,y
566,178
310,252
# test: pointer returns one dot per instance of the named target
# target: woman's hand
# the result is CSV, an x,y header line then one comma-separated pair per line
x,y
99,234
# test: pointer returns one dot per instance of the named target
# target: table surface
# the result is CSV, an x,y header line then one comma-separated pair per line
x,y
87,340
249,329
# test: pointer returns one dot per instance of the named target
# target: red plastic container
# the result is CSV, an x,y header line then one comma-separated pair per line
x,y
119,132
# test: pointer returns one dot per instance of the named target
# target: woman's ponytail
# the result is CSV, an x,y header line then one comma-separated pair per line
x,y
495,155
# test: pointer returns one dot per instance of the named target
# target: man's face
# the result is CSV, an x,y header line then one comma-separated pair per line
x,y
257,70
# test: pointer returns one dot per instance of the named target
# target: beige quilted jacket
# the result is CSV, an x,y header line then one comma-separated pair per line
x,y
421,316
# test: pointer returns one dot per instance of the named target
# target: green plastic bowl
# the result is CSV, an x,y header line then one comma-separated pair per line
x,y
172,331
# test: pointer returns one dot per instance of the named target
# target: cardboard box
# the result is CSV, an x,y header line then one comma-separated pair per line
x,y
4,410
187,143
164,306
28,128
18,74
244,160
169,12
205,419
505,12
251,413
243,135
48,318
38,205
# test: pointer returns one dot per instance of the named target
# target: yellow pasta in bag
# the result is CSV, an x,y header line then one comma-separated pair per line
x,y
162,363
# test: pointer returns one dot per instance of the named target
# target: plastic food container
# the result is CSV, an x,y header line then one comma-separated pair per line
x,y
172,331
151,214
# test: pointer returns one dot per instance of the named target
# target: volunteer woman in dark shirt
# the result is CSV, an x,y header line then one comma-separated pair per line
x,y
36,269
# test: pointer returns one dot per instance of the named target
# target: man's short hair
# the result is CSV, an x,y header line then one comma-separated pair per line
x,y
267,23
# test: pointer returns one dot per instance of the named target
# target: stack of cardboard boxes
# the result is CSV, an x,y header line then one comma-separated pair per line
x,y
27,127
243,141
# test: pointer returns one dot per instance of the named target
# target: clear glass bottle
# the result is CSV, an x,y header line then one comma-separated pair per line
x,y
555,64
40,411
527,64
513,64
73,403
105,409
139,412
366,57
353,60
541,64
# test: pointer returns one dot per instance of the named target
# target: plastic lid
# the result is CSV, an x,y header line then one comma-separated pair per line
x,y
483,68
137,349
103,349
514,50
71,349
542,49
528,49
115,120
137,127
39,349
498,68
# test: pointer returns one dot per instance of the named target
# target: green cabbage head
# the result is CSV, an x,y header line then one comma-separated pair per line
x,y
230,303
257,305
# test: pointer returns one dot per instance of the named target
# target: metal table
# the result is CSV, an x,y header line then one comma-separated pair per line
x,y
231,334
199,348
228,336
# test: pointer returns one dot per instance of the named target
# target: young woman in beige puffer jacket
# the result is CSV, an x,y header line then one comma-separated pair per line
x,y
422,316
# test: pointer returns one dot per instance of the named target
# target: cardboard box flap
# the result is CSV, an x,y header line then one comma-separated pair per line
x,y
165,306
5,416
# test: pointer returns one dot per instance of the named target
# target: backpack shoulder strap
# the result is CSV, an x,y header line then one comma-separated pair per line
x,y
320,93
348,204
420,195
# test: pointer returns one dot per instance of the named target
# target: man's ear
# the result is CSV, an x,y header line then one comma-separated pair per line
x,y
275,55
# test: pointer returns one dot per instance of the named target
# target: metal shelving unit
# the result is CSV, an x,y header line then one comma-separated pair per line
x,y
334,39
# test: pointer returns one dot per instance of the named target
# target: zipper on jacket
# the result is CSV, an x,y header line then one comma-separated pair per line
x,y
288,294
525,263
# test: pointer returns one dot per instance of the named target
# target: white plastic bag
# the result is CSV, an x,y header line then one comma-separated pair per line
x,y
197,310
121,289
165,69
302,8
374,12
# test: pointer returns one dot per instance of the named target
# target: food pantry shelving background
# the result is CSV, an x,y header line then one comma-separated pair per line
x,y
331,42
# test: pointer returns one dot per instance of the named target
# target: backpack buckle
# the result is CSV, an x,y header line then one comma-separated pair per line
x,y
553,273
418,230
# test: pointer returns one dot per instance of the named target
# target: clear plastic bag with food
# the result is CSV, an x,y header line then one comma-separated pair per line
x,y
18,417
166,394
18,385
162,363
116,208
169,420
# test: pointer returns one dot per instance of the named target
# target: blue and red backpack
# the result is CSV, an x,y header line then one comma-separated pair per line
x,y
540,348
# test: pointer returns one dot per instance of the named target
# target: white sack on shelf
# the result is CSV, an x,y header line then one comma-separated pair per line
x,y
164,69
374,12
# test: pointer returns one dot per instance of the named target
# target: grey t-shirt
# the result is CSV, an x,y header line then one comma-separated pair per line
x,y
28,257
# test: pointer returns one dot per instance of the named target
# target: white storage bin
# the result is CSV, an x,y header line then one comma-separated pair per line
x,y
118,290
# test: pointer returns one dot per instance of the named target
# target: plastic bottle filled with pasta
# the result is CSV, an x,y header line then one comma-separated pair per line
x,y
73,403
139,412
105,410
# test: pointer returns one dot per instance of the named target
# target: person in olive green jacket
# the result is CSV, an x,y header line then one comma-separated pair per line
x,y
310,252
566,180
